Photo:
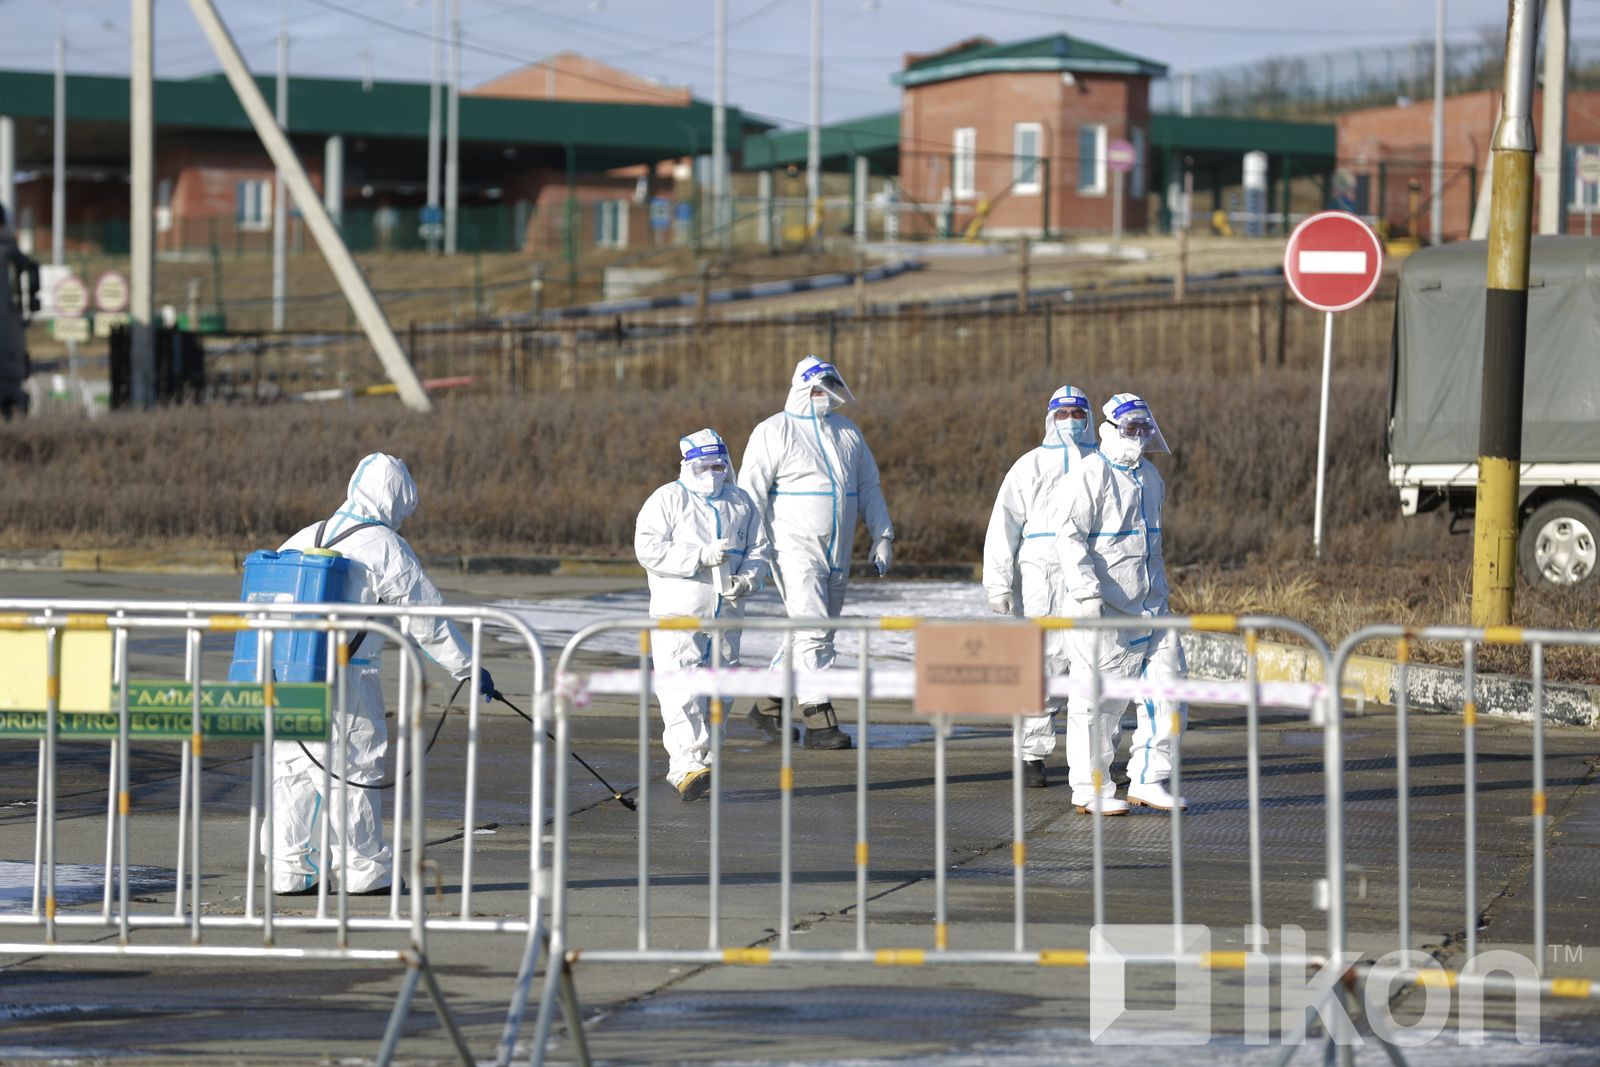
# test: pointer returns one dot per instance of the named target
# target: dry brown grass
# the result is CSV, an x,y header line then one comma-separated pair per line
x,y
565,473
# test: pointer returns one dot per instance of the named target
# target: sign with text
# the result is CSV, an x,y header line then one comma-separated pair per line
x,y
163,711
980,669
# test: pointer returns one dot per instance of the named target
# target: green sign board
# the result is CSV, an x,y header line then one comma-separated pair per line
x,y
162,711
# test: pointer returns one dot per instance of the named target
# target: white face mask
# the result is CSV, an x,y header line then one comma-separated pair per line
x,y
705,477
1123,451
821,405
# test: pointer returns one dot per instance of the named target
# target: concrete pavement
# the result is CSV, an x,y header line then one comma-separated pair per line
x,y
166,1010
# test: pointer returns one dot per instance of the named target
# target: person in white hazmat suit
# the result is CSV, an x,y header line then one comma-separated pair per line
x,y
1109,546
701,543
809,470
1019,552
383,570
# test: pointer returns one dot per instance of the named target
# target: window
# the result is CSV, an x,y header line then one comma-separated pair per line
x,y
964,172
252,204
1581,195
1091,161
1026,140
611,224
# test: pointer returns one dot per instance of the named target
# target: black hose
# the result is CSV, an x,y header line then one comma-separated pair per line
x,y
615,794
391,783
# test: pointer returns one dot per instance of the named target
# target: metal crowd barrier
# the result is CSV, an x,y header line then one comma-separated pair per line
x,y
718,682
408,840
1478,980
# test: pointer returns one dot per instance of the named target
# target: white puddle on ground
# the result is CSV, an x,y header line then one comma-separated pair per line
x,y
556,620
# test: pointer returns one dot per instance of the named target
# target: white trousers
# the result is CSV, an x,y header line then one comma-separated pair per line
x,y
684,731
1044,594
298,804
1153,655
811,590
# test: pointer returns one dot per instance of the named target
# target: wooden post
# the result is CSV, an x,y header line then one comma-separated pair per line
x,y
1022,276
702,301
1258,332
1049,332
569,358
861,284
1283,324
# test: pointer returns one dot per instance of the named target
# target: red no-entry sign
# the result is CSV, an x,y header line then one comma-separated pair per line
x,y
1333,261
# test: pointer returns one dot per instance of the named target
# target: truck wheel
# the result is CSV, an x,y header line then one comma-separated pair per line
x,y
1558,543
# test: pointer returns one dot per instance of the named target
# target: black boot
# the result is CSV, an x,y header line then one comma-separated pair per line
x,y
822,727
1033,774
769,722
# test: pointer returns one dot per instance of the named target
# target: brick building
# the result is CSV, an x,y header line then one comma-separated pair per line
x,y
560,156
1016,134
1384,150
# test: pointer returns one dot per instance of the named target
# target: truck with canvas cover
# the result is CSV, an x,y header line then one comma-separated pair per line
x,y
1437,380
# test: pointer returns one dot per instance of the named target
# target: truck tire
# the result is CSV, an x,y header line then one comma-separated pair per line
x,y
1559,543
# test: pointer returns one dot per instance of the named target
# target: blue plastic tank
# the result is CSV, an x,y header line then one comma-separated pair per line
x,y
289,577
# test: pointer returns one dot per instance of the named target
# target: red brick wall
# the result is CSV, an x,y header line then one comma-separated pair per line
x,y
992,104
1401,140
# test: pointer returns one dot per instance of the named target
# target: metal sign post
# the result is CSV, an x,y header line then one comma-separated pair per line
x,y
1119,160
1332,263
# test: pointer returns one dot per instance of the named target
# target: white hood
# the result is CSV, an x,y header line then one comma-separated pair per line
x,y
806,374
381,490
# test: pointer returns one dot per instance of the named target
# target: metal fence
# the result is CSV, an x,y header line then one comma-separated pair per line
x,y
218,929
1473,977
719,682
1240,333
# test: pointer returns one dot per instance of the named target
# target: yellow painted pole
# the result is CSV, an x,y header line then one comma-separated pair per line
x,y
1505,330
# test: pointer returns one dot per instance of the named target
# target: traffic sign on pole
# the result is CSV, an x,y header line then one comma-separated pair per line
x,y
1120,159
1332,263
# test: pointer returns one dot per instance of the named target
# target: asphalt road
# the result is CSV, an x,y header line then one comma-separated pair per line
x,y
197,1010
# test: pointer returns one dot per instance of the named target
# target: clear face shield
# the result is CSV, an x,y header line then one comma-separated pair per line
x,y
1069,419
824,380
1134,422
706,466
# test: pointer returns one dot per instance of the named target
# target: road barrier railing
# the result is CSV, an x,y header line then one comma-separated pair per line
x,y
718,683
1410,966
188,712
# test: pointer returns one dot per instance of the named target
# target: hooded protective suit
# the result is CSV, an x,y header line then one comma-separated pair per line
x,y
1108,544
672,538
1019,552
810,472
384,570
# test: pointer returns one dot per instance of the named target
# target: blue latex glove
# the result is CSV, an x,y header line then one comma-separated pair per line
x,y
485,685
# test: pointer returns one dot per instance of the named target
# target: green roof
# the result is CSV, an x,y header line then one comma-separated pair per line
x,y
1300,139
612,133
1054,52
873,135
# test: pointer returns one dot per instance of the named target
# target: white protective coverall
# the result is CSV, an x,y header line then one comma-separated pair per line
x,y
675,525
383,569
810,472
1019,549
1109,546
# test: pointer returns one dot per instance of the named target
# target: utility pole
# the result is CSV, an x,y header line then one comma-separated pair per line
x,y
719,125
141,210
1436,177
58,175
814,135
452,160
1553,129
352,283
433,124
1505,330
280,197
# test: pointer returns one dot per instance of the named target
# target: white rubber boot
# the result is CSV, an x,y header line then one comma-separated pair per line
x,y
1086,802
1155,795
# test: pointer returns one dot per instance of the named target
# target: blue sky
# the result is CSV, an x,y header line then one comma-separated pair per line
x,y
768,39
